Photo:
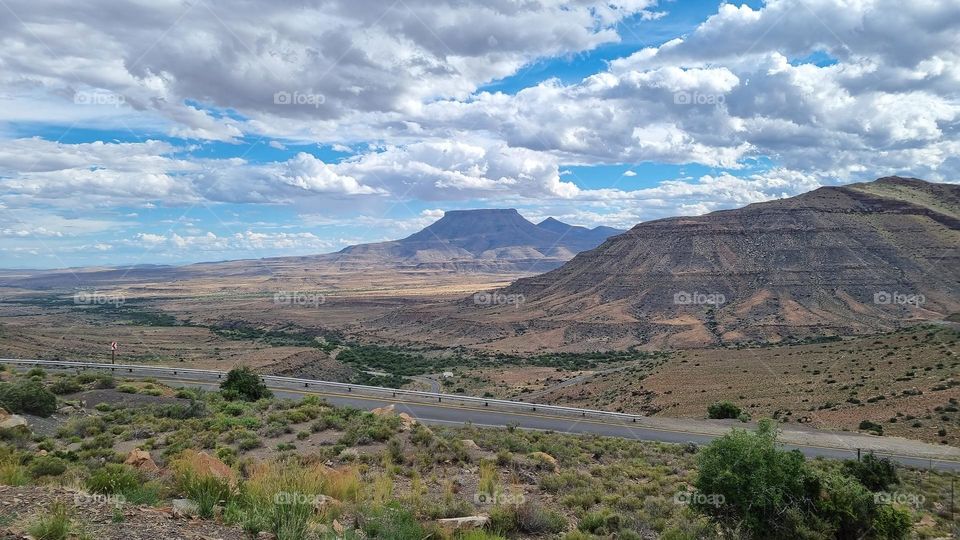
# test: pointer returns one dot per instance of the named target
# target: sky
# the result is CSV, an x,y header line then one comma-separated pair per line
x,y
169,132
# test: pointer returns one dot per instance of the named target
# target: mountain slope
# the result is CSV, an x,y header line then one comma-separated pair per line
x,y
837,260
479,240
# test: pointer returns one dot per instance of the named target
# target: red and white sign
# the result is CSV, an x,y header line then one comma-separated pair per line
x,y
113,346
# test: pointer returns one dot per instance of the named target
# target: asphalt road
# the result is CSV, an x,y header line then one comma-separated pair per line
x,y
460,410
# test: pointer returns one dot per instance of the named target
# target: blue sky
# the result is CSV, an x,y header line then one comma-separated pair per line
x,y
181,133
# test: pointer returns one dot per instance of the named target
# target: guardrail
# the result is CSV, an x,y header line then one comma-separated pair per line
x,y
379,391
433,397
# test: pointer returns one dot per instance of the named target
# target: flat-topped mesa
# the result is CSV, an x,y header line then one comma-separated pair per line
x,y
488,239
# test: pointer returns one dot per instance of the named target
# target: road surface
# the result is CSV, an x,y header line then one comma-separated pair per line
x,y
446,409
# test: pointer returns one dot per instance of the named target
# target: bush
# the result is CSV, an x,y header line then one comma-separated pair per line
x,y
846,506
722,410
867,425
47,466
600,523
876,474
27,397
752,489
105,381
113,478
244,384
892,523
748,484
64,386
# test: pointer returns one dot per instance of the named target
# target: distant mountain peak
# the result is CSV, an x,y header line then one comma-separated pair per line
x,y
551,221
482,212
482,237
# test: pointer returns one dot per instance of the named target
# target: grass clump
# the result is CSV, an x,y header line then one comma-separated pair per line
x,y
114,479
13,473
195,478
54,524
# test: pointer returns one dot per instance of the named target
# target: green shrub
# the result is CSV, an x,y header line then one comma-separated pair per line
x,y
876,474
892,523
36,372
28,397
64,385
746,483
723,409
245,384
845,505
127,389
112,479
47,466
600,523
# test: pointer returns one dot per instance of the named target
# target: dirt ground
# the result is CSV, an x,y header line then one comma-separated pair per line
x,y
903,381
21,506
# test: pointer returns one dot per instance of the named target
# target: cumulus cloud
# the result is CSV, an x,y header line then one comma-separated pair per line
x,y
799,93
338,56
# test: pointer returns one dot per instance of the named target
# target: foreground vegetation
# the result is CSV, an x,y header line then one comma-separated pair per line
x,y
309,470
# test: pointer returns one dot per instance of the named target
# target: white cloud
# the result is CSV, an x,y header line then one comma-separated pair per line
x,y
366,56
241,241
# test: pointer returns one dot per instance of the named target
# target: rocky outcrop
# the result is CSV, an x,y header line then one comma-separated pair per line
x,y
141,460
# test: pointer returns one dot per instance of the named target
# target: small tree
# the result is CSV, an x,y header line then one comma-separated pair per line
x,y
755,490
747,484
243,383
876,474
723,409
